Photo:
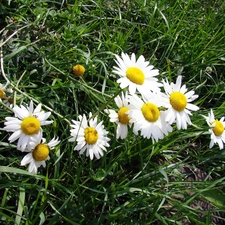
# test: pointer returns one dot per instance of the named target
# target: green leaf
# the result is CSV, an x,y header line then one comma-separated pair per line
x,y
100,175
216,197
15,52
198,220
42,218
7,169
162,171
20,206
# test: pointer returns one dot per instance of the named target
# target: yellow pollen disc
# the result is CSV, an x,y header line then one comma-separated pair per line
x,y
2,93
30,125
178,101
41,152
219,128
150,112
78,70
135,75
123,117
90,135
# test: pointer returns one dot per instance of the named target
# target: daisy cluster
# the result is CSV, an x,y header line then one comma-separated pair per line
x,y
146,107
26,126
150,107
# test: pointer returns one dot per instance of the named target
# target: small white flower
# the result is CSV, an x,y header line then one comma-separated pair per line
x,y
38,152
216,130
178,103
136,74
146,116
26,124
90,136
121,117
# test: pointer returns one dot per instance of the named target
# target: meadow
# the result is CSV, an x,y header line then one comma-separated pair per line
x,y
175,177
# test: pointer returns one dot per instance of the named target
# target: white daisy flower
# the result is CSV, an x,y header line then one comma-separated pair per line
x,y
136,74
26,124
216,130
146,116
178,103
38,152
90,136
120,117
3,90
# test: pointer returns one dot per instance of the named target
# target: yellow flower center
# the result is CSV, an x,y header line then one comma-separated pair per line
x,y
78,70
219,128
41,152
90,135
30,125
135,75
2,93
123,117
178,101
150,112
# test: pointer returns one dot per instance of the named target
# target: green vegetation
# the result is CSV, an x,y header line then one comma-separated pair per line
x,y
178,180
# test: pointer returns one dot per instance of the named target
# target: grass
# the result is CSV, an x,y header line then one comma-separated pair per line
x,y
136,181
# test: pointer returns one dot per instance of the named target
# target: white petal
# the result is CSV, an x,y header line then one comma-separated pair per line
x,y
118,101
220,142
43,116
15,136
178,83
31,108
32,167
192,107
23,142
53,142
27,159
37,109
12,127
20,112
211,143
178,121
80,146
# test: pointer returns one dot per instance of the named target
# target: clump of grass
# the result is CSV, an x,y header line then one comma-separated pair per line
x,y
136,181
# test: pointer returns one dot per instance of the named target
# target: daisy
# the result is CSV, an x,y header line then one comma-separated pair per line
x,y
90,136
38,152
136,74
178,103
26,124
3,90
120,117
216,130
147,117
